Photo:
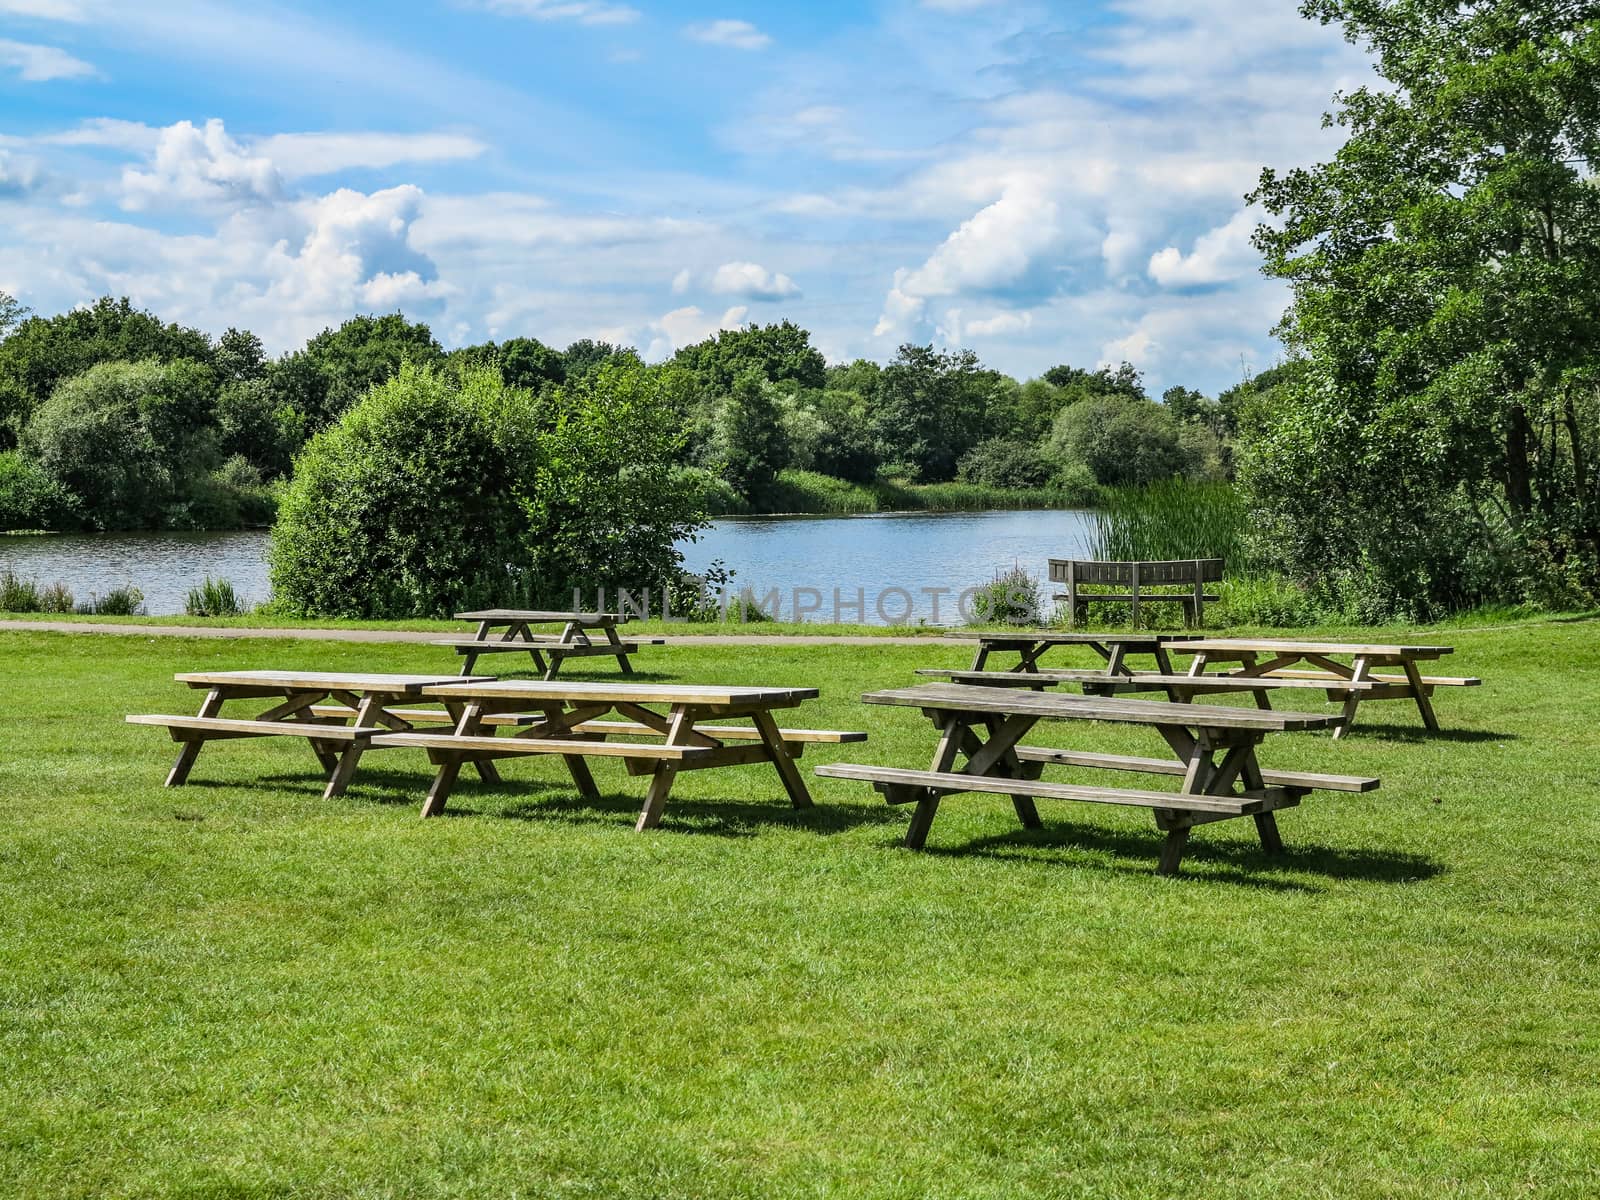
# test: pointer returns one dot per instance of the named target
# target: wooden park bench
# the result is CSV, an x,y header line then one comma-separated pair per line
x,y
667,726
1190,573
1214,748
510,631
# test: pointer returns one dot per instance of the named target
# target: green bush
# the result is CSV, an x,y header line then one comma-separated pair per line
x,y
124,601
1006,463
29,498
1011,598
213,598
18,595
55,598
431,495
1128,442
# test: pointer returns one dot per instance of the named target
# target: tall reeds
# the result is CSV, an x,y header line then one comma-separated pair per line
x,y
1175,519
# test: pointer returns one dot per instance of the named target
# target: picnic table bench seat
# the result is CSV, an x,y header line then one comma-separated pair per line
x,y
216,729
423,716
1152,681
548,650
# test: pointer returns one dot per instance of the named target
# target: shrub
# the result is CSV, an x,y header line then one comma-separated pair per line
x,y
16,594
1006,463
432,495
213,598
124,601
29,498
1011,597
1126,442
55,598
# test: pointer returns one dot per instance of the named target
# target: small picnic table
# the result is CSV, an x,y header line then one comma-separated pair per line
x,y
1271,662
302,711
1214,748
665,732
549,650
1030,645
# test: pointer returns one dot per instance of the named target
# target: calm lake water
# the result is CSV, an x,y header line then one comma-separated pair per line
x,y
882,566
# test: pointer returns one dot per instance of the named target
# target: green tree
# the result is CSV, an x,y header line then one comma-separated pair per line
x,y
12,313
1122,441
585,355
523,362
930,409
1446,276
41,352
748,447
1125,380
780,353
131,442
339,366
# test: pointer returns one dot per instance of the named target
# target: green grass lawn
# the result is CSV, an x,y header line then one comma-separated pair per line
x,y
235,989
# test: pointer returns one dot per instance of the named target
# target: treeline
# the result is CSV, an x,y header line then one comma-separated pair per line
x,y
113,419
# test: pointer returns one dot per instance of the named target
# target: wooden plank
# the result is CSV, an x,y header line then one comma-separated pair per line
x,y
1035,637
949,781
1171,766
1276,646
456,744
201,727
325,681
551,646
501,616
1382,677
962,697
1145,681
536,690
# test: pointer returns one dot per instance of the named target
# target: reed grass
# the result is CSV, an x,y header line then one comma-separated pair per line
x,y
1174,519
213,598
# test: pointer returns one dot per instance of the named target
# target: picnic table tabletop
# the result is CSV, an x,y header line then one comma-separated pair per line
x,y
1066,706
564,691
1050,638
542,616
364,682
1289,646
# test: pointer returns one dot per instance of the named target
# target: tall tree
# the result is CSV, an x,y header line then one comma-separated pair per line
x,y
339,366
1446,276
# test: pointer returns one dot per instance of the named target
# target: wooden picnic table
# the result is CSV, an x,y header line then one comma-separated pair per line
x,y
1214,749
548,650
302,710
1271,663
665,732
1029,645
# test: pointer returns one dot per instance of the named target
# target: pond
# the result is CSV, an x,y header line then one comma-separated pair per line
x,y
876,569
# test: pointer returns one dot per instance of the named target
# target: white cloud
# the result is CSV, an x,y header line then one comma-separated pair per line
x,y
681,281
200,166
1000,323
739,35
995,247
297,155
752,281
108,131
44,10
685,326
39,64
18,175
1220,256
585,12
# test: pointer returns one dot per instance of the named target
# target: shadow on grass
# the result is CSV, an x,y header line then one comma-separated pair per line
x,y
1242,862
719,818
1391,732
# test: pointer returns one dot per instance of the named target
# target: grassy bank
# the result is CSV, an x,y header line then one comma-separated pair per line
x,y
236,989
806,492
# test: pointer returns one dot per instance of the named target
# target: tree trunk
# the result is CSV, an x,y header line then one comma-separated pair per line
x,y
1519,485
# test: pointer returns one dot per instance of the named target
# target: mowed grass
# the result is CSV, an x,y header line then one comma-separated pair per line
x,y
235,989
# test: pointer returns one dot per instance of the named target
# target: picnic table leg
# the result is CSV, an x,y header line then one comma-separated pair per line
x,y
577,765
1247,661
1011,766
661,779
449,770
1266,823
346,768
1424,705
793,781
486,770
981,657
1172,850
548,671
622,659
191,749
951,739
1353,700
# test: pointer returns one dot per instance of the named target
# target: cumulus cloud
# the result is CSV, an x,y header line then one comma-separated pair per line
x,y
738,35
108,131
995,247
1220,256
685,326
40,64
752,281
200,166
585,12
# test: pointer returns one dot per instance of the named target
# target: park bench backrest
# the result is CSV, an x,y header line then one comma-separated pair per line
x,y
1173,571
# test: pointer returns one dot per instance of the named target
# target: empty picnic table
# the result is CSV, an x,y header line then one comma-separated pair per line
x,y
665,732
1030,645
1214,748
303,710
1269,664
510,630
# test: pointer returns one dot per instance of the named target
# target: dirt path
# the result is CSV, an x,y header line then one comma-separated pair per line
x,y
402,635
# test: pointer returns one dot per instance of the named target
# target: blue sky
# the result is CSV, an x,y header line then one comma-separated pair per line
x,y
1053,182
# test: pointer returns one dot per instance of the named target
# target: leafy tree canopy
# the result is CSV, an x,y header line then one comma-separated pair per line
x,y
780,353
1446,274
338,366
